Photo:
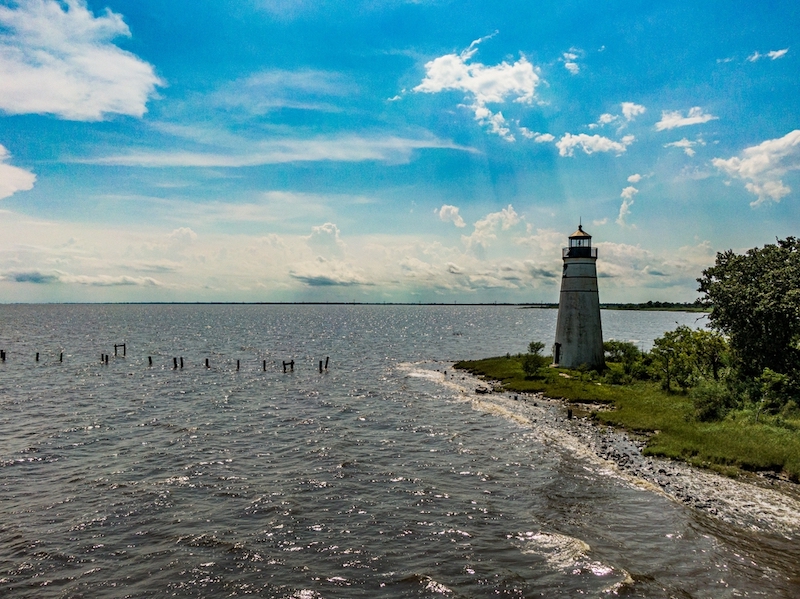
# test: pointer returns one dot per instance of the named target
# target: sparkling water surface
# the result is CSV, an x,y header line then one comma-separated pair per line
x,y
376,478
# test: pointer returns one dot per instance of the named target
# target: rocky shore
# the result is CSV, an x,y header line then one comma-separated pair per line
x,y
757,502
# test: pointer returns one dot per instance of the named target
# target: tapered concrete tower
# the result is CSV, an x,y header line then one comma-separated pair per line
x,y
579,334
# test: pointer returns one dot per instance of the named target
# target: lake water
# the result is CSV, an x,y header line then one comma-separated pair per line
x,y
376,478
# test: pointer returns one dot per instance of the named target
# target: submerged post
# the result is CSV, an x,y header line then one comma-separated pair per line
x,y
207,366
174,363
37,356
320,365
326,362
265,366
181,362
579,333
149,360
237,364
61,357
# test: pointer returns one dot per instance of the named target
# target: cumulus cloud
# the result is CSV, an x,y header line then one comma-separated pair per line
x,y
483,85
772,55
12,178
183,236
686,145
762,166
486,228
605,119
634,178
672,119
449,213
630,110
58,58
627,201
569,59
539,138
325,241
592,143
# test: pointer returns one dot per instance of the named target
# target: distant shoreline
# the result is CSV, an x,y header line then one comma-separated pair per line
x,y
648,307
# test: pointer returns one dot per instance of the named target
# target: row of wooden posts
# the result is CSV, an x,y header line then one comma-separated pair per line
x,y
177,363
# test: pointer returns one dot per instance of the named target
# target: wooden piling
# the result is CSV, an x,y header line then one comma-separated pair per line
x,y
265,366
181,362
320,365
37,356
3,355
207,366
149,360
174,363
237,364
326,362
569,413
61,357
106,359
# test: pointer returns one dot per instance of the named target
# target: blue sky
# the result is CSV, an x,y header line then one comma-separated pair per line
x,y
388,150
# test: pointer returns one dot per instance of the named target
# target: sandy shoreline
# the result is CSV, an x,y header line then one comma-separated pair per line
x,y
762,503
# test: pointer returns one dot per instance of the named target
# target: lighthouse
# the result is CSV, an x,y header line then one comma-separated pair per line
x,y
579,334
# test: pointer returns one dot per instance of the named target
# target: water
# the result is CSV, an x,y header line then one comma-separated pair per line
x,y
377,478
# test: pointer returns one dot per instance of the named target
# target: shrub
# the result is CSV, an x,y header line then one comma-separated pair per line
x,y
711,399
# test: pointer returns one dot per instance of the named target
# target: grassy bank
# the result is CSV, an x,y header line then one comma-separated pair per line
x,y
740,442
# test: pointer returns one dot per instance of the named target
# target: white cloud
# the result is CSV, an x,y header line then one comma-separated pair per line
x,y
328,273
762,166
279,151
600,222
569,59
631,110
50,278
772,54
325,241
635,178
483,84
183,236
627,201
12,178
592,143
58,58
673,119
486,228
449,213
686,145
539,138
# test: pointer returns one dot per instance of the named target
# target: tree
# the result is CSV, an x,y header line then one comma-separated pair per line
x,y
755,301
533,361
672,358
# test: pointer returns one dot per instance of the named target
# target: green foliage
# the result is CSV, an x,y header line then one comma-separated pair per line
x,y
711,399
777,390
624,352
671,358
755,301
533,361
535,347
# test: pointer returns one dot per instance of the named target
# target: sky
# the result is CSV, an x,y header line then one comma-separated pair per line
x,y
389,150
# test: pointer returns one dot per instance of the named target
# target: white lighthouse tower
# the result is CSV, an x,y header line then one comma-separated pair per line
x,y
579,334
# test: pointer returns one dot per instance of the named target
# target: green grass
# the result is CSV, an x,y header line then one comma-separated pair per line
x,y
734,444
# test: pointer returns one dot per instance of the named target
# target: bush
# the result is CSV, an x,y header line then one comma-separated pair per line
x,y
777,390
711,399
533,363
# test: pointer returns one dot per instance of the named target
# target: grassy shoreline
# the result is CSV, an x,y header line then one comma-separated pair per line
x,y
735,444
